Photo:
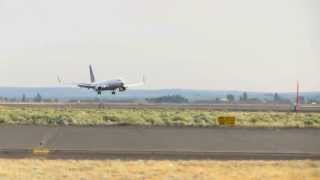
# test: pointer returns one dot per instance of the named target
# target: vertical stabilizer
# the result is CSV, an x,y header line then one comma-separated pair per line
x,y
92,78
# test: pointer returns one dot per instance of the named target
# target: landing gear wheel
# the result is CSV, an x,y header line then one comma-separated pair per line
x,y
113,93
99,92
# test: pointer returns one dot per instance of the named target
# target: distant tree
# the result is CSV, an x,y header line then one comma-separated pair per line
x,y
168,99
24,98
245,96
230,98
37,98
254,101
12,100
276,97
49,100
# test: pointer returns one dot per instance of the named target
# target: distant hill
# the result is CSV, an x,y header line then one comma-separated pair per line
x,y
193,95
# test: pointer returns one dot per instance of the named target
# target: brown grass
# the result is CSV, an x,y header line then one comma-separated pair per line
x,y
117,169
150,117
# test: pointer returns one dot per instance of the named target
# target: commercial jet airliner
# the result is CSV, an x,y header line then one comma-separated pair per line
x,y
106,85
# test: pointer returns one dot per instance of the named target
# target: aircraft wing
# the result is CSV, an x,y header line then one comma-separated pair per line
x,y
134,85
84,85
73,84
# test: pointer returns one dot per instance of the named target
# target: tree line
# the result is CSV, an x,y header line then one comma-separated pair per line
x,y
229,98
24,98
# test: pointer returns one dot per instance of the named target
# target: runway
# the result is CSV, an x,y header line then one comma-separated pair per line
x,y
213,107
161,142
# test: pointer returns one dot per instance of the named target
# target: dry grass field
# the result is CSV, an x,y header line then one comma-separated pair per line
x,y
159,117
163,169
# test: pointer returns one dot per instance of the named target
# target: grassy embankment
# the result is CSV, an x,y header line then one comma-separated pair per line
x,y
172,117
117,169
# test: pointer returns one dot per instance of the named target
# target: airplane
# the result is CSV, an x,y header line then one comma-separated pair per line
x,y
106,85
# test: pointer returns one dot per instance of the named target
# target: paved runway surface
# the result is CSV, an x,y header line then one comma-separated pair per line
x,y
218,107
163,142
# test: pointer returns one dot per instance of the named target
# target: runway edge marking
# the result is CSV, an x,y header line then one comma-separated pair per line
x,y
40,151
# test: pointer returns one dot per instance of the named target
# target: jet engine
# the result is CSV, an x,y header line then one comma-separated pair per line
x,y
98,88
122,89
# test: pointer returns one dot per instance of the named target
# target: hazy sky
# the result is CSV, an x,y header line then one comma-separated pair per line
x,y
255,45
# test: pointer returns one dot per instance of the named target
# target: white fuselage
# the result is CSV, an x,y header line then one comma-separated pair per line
x,y
110,85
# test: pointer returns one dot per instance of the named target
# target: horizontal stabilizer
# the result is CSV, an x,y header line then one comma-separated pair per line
x,y
143,82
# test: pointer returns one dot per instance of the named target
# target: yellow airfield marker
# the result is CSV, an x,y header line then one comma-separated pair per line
x,y
227,120
40,151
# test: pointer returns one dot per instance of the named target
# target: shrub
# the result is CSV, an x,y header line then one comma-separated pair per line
x,y
68,116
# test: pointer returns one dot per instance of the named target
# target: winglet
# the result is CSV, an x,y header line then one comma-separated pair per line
x,y
59,80
144,80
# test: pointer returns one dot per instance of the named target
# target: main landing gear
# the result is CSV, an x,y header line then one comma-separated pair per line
x,y
113,93
99,92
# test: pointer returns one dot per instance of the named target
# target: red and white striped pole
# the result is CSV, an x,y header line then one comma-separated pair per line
x,y
297,98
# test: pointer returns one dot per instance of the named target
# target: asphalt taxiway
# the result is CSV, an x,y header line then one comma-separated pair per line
x,y
162,142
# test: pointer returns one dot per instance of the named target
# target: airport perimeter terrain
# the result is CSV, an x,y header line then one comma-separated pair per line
x,y
67,141
158,153
105,115
157,170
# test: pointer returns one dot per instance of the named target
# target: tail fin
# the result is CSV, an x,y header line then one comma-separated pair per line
x,y
92,78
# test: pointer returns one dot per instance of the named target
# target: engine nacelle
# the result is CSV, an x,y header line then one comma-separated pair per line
x,y
98,88
122,89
